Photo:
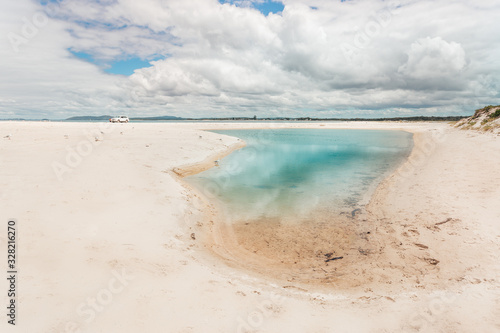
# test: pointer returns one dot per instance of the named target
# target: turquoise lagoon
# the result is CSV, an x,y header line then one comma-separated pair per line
x,y
292,174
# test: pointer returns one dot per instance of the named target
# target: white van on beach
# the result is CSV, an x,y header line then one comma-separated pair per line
x,y
120,119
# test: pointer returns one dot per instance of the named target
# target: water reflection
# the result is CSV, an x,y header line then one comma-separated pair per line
x,y
287,173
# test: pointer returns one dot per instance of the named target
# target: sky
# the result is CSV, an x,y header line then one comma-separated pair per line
x,y
209,58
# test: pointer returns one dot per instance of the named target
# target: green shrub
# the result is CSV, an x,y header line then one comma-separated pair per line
x,y
495,114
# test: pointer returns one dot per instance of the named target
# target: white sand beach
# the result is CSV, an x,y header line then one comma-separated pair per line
x,y
111,239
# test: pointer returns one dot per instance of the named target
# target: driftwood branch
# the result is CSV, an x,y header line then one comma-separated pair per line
x,y
335,258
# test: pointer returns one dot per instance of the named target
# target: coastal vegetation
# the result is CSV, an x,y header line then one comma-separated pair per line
x,y
486,119
496,114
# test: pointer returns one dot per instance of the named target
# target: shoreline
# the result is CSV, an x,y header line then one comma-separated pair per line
x,y
418,143
208,163
368,196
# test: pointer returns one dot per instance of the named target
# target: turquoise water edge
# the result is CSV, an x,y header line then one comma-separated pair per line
x,y
292,173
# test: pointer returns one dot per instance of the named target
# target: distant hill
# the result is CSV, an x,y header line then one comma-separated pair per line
x,y
90,118
486,119
106,117
156,118
413,118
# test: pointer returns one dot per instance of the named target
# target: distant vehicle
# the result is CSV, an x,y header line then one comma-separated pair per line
x,y
120,119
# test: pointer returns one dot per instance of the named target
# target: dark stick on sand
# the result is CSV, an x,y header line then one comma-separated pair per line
x,y
331,259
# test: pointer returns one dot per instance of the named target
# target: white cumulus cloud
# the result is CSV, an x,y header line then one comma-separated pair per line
x,y
431,58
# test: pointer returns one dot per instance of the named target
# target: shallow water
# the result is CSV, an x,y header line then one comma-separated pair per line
x,y
291,173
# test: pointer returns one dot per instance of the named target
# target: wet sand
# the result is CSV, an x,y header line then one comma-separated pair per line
x,y
332,251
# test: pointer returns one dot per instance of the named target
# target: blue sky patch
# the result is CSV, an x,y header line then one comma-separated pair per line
x,y
126,67
266,7
270,7
120,67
